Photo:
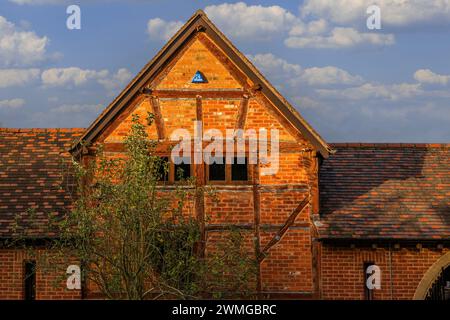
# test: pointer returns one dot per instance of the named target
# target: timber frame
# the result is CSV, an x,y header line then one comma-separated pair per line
x,y
198,23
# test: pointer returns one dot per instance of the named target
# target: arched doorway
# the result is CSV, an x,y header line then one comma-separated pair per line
x,y
435,284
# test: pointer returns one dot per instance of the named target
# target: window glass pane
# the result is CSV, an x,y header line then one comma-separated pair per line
x,y
239,170
183,170
217,169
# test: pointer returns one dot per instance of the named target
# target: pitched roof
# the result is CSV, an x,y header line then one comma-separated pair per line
x,y
31,175
199,22
367,191
386,191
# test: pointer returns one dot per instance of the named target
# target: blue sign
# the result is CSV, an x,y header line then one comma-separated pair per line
x,y
199,78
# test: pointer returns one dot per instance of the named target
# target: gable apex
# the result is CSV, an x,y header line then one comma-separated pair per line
x,y
199,22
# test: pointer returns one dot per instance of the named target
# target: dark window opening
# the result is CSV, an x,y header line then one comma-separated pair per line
x,y
368,293
239,170
163,169
217,169
183,170
30,280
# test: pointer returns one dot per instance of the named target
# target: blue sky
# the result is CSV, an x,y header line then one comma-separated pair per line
x,y
349,82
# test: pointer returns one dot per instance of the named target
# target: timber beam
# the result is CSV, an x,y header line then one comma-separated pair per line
x,y
192,94
242,113
289,222
159,120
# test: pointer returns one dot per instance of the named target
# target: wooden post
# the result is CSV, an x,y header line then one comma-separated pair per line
x,y
199,108
257,222
200,184
159,120
242,113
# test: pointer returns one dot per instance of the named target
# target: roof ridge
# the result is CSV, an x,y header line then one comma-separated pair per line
x,y
389,145
40,130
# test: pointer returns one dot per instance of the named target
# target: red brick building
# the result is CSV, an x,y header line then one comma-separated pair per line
x,y
326,214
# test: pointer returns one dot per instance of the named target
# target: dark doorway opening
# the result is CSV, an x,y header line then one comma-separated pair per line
x,y
440,289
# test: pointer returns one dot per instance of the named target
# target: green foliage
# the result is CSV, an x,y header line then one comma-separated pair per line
x,y
133,238
231,268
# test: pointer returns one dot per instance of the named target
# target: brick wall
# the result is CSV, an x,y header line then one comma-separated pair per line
x,y
50,284
288,266
197,57
342,274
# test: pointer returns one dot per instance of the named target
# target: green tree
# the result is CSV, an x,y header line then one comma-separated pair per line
x,y
133,238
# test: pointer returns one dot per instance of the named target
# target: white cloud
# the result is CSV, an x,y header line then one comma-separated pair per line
x,y
20,47
331,98
270,64
242,21
38,2
70,76
61,2
339,38
429,77
77,108
161,29
119,79
393,12
319,34
17,77
329,75
257,22
374,91
74,76
311,28
11,104
295,75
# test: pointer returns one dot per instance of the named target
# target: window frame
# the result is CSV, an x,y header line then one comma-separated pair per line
x,y
173,171
228,174
171,174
